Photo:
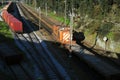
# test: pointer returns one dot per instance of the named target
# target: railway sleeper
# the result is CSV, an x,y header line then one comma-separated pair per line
x,y
34,72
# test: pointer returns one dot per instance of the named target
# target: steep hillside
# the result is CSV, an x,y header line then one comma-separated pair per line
x,y
98,19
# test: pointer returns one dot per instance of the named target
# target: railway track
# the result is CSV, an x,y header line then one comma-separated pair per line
x,y
107,70
34,65
34,18
38,63
15,72
47,68
42,16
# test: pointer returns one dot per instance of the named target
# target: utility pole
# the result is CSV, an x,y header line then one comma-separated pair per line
x,y
65,11
71,27
35,4
46,8
2,3
26,2
29,2
39,18
71,30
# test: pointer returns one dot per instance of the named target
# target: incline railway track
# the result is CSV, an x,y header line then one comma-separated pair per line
x,y
42,15
36,66
34,18
15,72
36,49
98,63
38,63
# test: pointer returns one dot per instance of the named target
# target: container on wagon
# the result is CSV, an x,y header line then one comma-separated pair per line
x,y
4,14
16,25
9,18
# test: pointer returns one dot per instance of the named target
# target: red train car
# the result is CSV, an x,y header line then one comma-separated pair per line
x,y
9,18
14,24
4,14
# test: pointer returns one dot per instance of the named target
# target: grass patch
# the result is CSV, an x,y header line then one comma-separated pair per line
x,y
110,35
4,31
58,17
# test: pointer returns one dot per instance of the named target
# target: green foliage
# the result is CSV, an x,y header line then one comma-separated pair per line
x,y
59,18
5,34
116,36
99,10
93,27
110,35
86,32
4,30
104,29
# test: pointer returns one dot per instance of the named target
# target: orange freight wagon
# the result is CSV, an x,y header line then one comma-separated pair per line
x,y
62,35
56,31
